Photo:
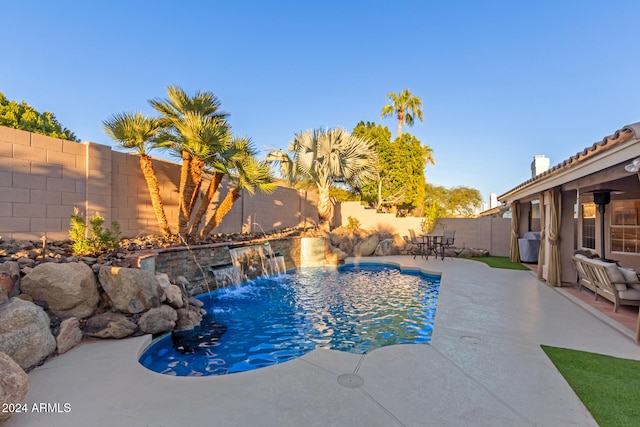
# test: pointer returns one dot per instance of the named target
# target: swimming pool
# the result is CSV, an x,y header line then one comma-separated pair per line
x,y
260,323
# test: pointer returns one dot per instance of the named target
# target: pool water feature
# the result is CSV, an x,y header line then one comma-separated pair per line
x,y
275,319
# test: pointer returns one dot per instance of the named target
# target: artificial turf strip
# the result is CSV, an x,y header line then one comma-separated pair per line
x,y
608,386
500,262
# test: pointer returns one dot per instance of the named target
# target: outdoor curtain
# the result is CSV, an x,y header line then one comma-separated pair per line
x,y
543,236
553,270
515,216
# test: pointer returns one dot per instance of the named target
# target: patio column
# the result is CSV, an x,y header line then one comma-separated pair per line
x,y
554,270
515,221
543,236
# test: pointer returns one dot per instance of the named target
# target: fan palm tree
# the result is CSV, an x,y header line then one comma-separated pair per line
x,y
327,157
137,132
195,130
246,173
405,106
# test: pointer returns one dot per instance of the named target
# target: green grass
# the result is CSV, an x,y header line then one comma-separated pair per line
x,y
608,386
500,262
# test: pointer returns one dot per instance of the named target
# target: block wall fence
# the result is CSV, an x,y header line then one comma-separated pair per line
x,y
42,179
487,233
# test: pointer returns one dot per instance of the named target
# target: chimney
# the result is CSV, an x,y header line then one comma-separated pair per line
x,y
539,165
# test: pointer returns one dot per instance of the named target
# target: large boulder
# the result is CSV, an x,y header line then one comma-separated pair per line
x,y
387,247
70,290
25,333
109,325
14,384
70,335
157,320
346,243
9,280
172,293
131,290
367,246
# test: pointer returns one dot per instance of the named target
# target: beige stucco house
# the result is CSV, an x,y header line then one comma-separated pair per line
x,y
560,204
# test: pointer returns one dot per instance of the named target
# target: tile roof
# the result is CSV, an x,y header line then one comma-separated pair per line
x,y
625,134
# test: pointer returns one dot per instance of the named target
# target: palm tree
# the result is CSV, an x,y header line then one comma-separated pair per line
x,y
327,157
195,130
246,173
405,106
137,132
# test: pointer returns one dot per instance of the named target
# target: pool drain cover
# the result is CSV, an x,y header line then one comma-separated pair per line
x,y
350,380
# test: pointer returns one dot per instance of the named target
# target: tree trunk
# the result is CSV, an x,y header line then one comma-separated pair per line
x,y
324,203
146,166
216,179
197,167
400,120
221,212
186,190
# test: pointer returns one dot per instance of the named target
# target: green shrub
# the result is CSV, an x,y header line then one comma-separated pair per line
x,y
100,240
354,224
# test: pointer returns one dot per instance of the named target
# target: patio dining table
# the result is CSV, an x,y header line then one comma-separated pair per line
x,y
430,244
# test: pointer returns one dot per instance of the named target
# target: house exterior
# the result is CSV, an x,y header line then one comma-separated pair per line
x,y
561,204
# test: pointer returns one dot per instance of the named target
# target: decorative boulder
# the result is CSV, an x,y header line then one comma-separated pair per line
x,y
172,293
14,384
157,320
387,247
70,290
340,255
25,333
9,280
70,335
187,319
174,296
347,243
366,246
131,290
109,325
473,253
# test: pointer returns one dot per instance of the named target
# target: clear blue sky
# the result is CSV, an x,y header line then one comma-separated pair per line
x,y
501,81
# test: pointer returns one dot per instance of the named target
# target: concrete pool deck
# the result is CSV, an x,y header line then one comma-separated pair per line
x,y
483,367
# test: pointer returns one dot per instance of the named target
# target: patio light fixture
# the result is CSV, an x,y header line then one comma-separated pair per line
x,y
634,166
602,198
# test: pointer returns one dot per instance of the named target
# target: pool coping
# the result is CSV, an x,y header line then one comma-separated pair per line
x,y
484,366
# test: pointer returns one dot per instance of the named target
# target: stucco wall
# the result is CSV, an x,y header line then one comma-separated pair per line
x,y
42,179
485,233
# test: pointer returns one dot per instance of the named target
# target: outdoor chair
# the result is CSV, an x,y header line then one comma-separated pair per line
x,y
446,241
416,242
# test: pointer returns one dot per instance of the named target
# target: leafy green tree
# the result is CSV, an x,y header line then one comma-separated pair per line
x,y
24,117
400,181
327,157
137,132
405,106
455,202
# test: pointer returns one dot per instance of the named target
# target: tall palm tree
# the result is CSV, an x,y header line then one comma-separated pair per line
x,y
405,106
327,157
246,173
195,129
137,132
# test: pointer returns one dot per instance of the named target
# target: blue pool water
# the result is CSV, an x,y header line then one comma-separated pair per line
x,y
272,320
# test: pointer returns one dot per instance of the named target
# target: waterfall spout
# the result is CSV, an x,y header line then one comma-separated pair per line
x,y
256,261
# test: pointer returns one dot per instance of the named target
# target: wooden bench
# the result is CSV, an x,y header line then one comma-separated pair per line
x,y
618,285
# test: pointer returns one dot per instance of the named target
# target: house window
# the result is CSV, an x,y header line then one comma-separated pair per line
x,y
589,225
625,226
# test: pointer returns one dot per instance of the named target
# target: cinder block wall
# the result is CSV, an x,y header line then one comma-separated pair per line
x,y
42,179
487,233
